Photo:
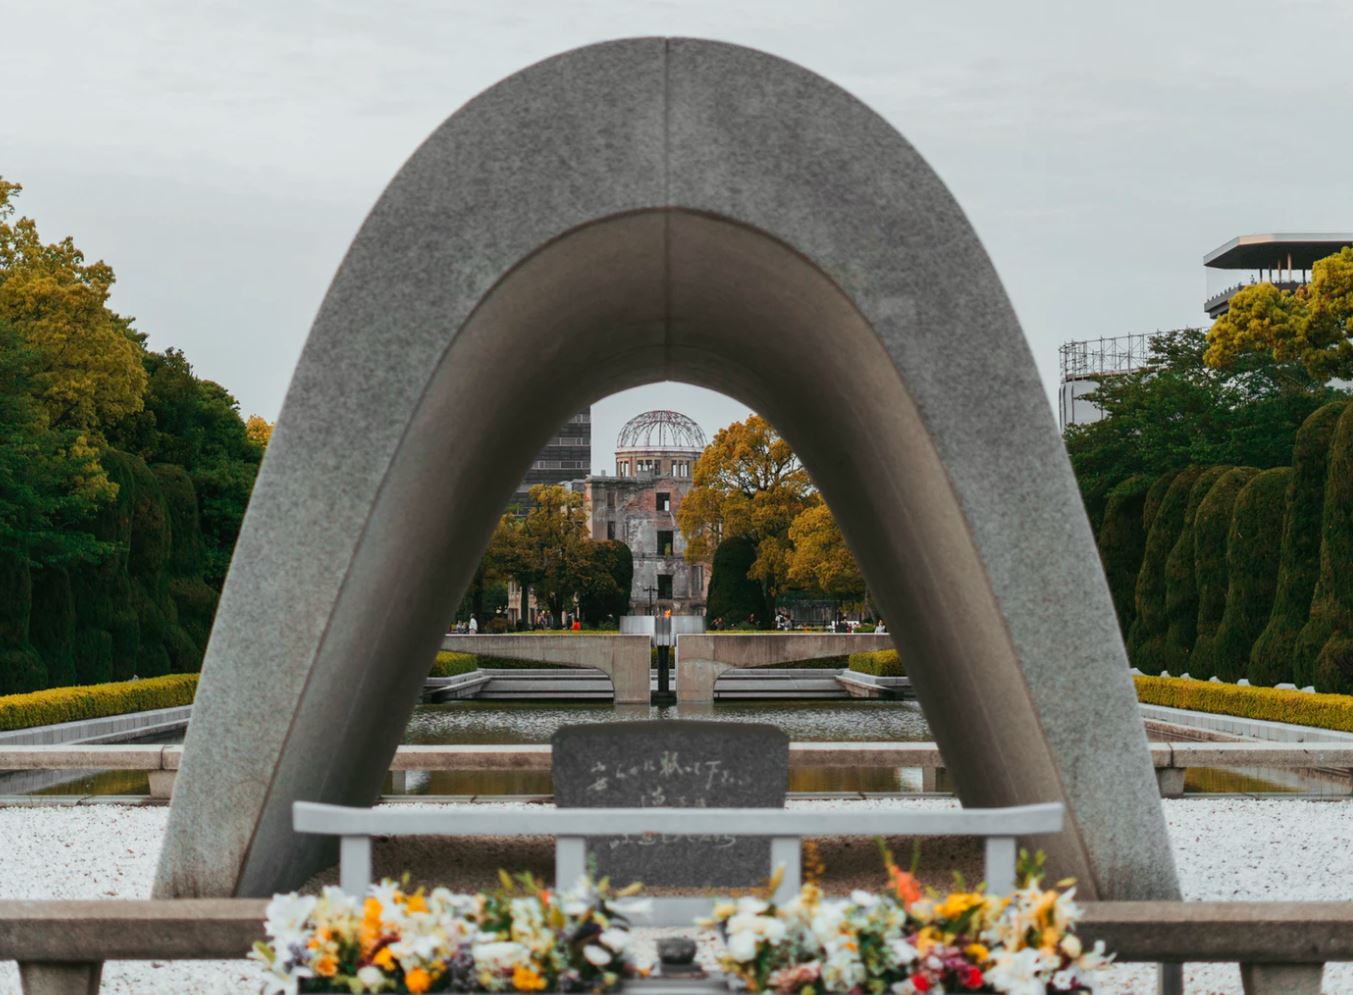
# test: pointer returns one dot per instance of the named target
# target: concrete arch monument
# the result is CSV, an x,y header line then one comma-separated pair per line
x,y
634,211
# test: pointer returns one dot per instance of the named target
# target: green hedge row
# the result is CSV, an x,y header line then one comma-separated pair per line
x,y
95,701
1274,652
1241,573
880,663
1325,711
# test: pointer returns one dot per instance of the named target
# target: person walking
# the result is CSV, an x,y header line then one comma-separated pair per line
x,y
474,625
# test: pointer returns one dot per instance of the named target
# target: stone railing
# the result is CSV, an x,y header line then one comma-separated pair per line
x,y
1171,760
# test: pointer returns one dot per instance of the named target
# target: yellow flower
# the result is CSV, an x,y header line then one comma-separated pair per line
x,y
326,966
416,903
977,952
525,979
371,910
958,903
384,959
417,980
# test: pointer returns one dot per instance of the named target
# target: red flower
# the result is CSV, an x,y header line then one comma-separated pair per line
x,y
972,977
920,982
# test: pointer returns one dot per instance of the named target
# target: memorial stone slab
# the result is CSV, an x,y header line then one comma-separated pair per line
x,y
676,764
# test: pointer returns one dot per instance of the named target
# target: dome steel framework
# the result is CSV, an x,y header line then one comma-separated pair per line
x,y
660,430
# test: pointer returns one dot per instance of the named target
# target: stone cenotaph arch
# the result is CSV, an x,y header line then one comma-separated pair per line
x,y
634,211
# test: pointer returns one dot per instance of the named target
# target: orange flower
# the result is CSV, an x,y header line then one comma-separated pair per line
x,y
417,980
326,966
371,910
905,886
416,903
384,959
526,979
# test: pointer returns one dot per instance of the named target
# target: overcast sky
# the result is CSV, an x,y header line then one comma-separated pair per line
x,y
222,155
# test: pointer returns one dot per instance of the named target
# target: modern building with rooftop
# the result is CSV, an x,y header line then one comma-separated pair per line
x,y
1283,259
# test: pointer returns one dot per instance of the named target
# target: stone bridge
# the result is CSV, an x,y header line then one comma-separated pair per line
x,y
702,658
624,659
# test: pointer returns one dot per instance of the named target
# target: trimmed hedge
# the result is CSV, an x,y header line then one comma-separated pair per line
x,y
94,701
880,663
1211,528
1327,639
733,596
1252,545
1324,711
1146,639
1122,544
1275,651
1181,585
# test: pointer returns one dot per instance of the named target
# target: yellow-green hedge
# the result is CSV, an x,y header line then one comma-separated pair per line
x,y
1325,711
94,701
880,663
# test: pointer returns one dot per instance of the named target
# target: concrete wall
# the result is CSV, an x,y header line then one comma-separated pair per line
x,y
702,658
626,660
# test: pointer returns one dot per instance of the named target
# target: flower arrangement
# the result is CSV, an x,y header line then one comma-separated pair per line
x,y
520,938
906,941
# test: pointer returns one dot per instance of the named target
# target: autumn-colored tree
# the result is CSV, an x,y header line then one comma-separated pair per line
x,y
1313,324
549,549
747,483
258,430
821,560
90,371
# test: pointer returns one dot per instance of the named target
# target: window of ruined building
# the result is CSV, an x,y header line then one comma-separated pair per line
x,y
666,543
610,499
665,586
610,530
664,502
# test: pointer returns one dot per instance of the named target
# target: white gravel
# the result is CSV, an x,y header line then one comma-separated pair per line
x,y
1226,848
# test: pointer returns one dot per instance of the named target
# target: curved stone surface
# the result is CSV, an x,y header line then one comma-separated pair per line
x,y
628,212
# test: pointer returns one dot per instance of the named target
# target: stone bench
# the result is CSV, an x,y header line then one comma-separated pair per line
x,y
571,826
1282,946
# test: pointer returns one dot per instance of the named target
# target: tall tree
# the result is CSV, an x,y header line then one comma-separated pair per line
x,y
1179,410
1312,325
549,549
50,481
90,361
747,484
821,560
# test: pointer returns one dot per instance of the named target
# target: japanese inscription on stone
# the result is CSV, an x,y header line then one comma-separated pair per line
x,y
674,764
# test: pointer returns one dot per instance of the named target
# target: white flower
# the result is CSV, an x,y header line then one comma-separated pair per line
x,y
1071,945
903,952
500,956
614,938
372,978
863,899
742,946
287,914
338,901
597,956
751,906
1018,973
